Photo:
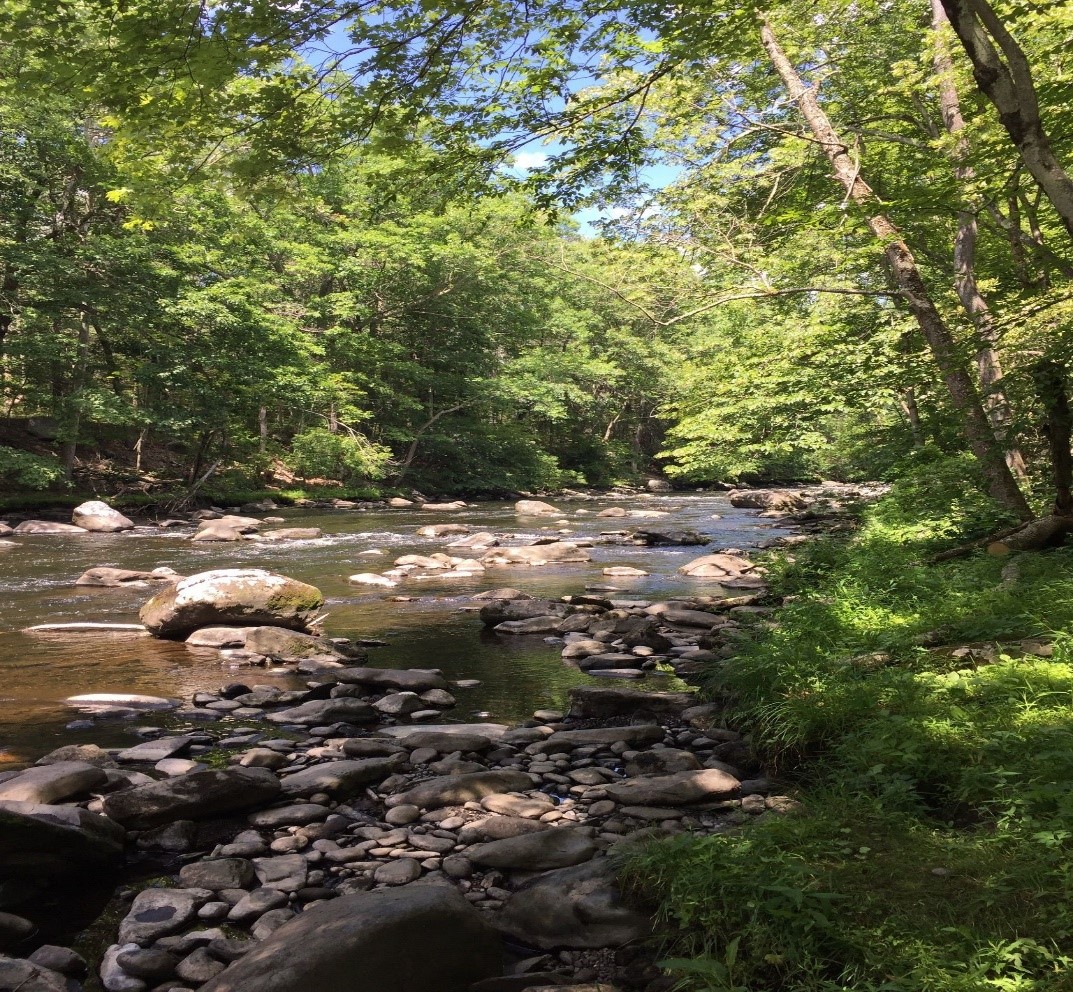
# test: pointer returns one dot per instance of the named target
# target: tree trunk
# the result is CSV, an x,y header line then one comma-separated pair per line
x,y
988,364
1050,382
906,275
1005,78
262,427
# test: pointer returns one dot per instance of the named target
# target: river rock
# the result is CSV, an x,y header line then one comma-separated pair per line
x,y
53,782
559,552
675,790
767,499
48,527
217,874
531,625
662,761
506,610
91,754
578,907
157,913
284,645
287,872
156,750
566,740
192,797
433,507
107,577
613,511
508,804
481,540
449,790
401,871
717,566
536,508
98,516
445,743
598,703
624,572
38,840
61,959
544,849
442,530
102,703
494,731
219,637
340,779
366,942
372,579
21,975
496,827
245,597
400,679
318,712
293,534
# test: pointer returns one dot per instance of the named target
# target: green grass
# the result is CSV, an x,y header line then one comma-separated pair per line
x,y
934,849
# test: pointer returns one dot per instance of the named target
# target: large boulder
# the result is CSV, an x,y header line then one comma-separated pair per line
x,y
241,597
38,840
408,939
98,516
578,907
717,566
192,797
781,500
567,740
449,790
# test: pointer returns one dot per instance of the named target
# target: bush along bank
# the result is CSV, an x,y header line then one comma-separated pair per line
x,y
925,710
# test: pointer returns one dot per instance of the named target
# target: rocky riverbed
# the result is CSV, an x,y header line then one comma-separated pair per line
x,y
317,836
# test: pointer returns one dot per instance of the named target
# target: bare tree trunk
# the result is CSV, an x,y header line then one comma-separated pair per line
x,y
988,364
907,403
1050,381
262,426
906,275
1005,78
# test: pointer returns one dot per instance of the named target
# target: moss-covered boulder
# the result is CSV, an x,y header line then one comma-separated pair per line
x,y
234,597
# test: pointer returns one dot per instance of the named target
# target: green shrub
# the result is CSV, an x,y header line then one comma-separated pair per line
x,y
320,453
20,468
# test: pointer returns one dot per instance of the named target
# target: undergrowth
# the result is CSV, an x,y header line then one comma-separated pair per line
x,y
931,746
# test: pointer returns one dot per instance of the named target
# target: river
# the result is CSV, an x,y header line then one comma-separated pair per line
x,y
438,629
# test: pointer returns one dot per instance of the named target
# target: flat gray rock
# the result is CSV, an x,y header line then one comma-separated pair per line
x,y
675,790
322,711
52,783
156,750
44,841
399,679
449,790
559,847
157,913
192,797
340,779
217,874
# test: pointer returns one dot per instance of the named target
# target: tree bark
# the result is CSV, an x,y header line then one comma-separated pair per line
x,y
1005,78
1001,483
1050,379
988,364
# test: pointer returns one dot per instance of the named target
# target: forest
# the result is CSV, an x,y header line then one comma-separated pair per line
x,y
299,248
491,248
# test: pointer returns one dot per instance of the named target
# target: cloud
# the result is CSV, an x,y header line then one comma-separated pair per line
x,y
524,161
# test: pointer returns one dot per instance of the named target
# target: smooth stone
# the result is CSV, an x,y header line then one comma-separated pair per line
x,y
52,783
676,789
113,977
398,872
193,796
297,815
567,740
155,750
554,848
256,904
220,873
157,913
529,807
457,789
340,779
61,959
367,941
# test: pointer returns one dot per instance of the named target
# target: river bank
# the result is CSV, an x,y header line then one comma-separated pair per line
x,y
679,768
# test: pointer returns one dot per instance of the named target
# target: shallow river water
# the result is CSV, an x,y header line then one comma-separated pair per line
x,y
437,630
